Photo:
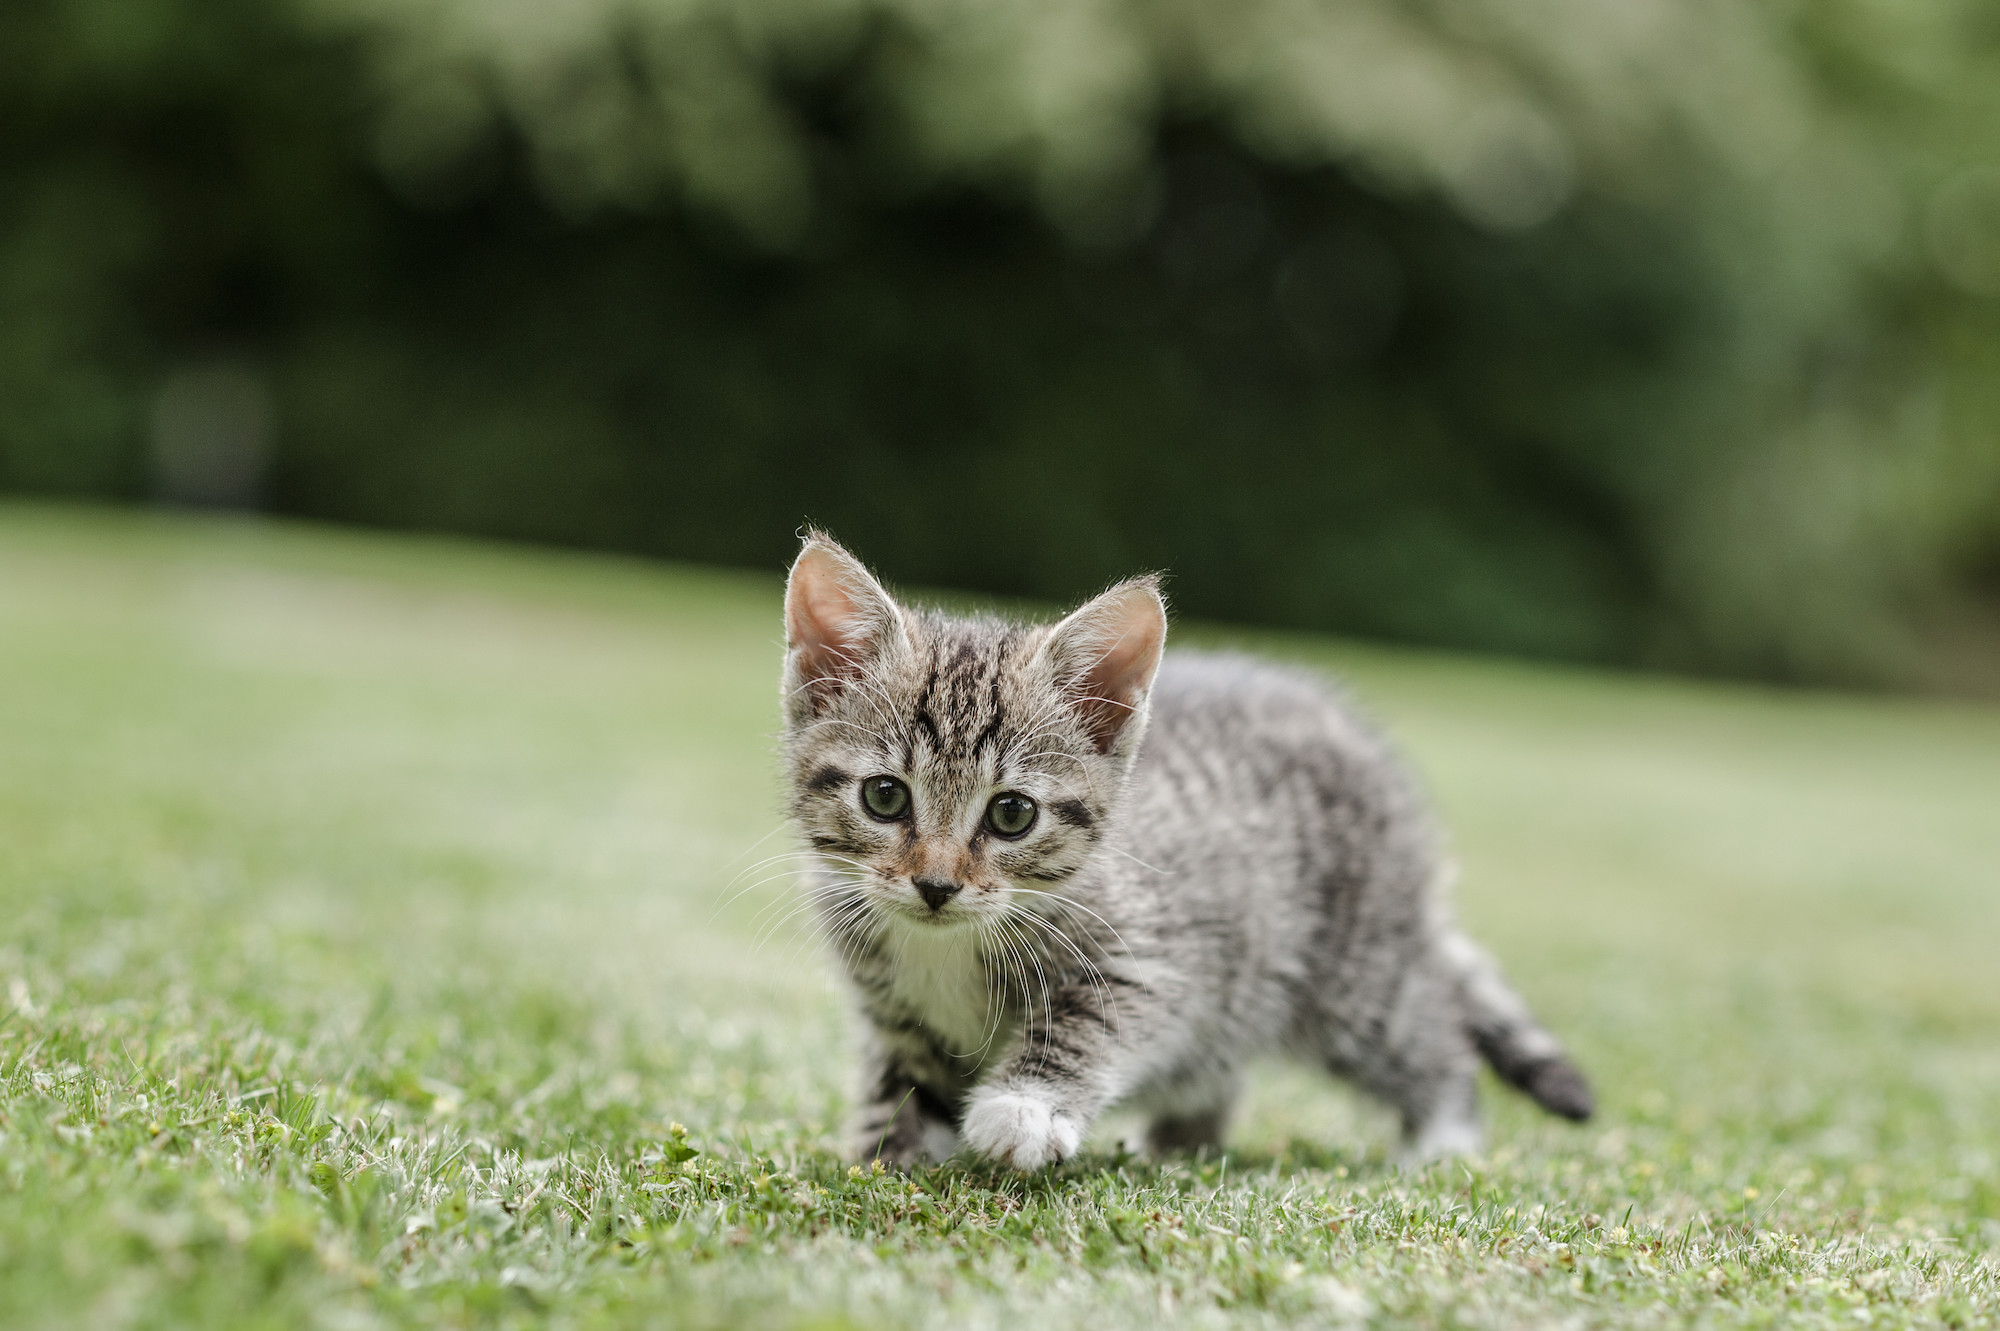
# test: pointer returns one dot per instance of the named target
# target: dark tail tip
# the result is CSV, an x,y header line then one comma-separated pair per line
x,y
1558,1087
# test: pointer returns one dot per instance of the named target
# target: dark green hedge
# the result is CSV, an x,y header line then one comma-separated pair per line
x,y
1316,400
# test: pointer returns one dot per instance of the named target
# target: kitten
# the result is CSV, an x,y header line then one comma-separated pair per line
x,y
1066,874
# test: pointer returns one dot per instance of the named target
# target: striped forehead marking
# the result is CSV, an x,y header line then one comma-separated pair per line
x,y
961,686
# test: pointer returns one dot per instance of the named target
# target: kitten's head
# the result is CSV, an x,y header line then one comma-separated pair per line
x,y
950,768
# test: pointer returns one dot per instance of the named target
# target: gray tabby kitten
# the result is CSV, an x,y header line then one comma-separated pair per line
x,y
1065,874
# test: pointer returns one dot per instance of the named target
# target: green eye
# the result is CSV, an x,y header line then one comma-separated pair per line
x,y
1010,815
885,797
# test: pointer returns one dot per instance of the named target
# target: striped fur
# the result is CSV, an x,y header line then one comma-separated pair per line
x,y
1225,863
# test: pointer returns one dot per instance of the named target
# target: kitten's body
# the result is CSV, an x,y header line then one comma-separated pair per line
x,y
1258,876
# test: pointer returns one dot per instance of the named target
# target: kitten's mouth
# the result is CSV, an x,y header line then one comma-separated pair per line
x,y
922,917
941,905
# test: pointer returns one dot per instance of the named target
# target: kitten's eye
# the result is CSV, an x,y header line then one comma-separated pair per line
x,y
1010,815
885,797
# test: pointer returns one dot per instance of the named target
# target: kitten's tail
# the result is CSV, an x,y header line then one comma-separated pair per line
x,y
1507,1035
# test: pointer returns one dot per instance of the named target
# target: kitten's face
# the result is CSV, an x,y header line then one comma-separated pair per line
x,y
950,779
948,771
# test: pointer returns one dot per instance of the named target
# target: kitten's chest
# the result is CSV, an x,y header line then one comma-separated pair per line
x,y
940,980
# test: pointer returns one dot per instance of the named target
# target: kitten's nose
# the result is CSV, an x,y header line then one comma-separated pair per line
x,y
935,891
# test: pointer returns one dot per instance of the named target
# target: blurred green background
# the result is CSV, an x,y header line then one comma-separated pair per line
x,y
1663,333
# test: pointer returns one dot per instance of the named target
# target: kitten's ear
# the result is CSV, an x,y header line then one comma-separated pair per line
x,y
838,623
1105,655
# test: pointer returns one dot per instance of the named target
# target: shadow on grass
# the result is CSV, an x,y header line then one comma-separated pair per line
x,y
1205,1169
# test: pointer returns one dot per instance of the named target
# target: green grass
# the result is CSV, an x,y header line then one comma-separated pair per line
x,y
360,949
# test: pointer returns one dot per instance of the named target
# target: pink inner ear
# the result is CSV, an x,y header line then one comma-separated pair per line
x,y
1111,687
829,626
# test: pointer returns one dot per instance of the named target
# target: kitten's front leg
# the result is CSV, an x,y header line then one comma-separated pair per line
x,y
1037,1106
1024,1125
899,1121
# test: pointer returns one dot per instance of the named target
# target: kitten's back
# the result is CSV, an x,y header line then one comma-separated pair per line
x,y
1250,736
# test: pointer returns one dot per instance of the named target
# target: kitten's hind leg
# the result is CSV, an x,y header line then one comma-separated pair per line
x,y
1414,1054
1194,1120
1172,1134
1447,1126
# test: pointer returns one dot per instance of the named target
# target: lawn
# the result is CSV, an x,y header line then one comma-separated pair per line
x,y
383,942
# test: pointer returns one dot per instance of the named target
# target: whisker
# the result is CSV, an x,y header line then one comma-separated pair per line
x,y
996,995
758,842
815,895
1100,988
982,935
833,897
1168,873
778,876
735,889
1073,904
1041,977
1012,953
797,853
858,874
842,926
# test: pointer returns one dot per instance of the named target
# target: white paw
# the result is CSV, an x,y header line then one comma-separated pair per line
x,y
1019,1129
1447,1136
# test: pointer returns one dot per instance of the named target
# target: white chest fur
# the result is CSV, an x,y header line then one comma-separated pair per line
x,y
938,976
